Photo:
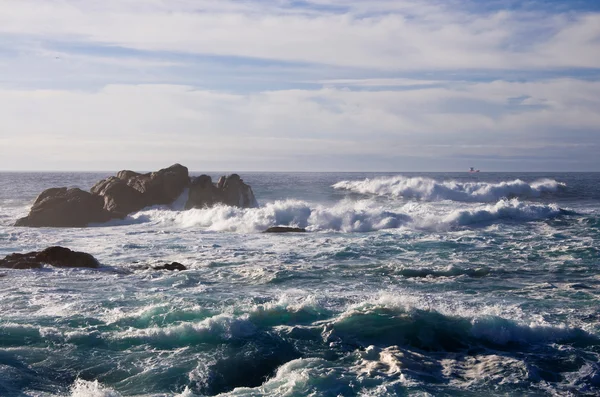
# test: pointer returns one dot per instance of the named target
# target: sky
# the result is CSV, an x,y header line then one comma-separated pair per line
x,y
314,85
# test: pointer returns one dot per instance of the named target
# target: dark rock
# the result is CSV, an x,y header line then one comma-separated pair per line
x,y
230,190
202,193
120,199
285,229
171,266
236,193
160,187
62,207
130,191
20,261
126,174
54,256
580,286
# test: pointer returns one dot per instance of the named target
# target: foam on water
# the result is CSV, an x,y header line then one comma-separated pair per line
x,y
430,189
346,216
448,289
82,388
218,328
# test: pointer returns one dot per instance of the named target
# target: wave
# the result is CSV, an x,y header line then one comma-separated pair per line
x,y
296,346
503,210
450,271
384,324
83,388
429,189
345,216
214,329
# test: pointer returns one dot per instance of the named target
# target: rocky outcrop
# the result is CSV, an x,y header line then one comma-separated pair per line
x,y
230,190
285,229
128,192
171,266
54,256
62,207
158,188
202,193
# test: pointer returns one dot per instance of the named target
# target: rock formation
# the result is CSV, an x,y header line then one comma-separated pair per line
x,y
229,190
171,266
62,207
54,256
128,192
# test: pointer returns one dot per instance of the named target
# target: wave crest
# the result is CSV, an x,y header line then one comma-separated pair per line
x,y
346,216
429,189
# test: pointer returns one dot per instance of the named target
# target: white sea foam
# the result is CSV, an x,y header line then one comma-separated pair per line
x,y
503,210
83,388
499,325
219,327
346,216
430,189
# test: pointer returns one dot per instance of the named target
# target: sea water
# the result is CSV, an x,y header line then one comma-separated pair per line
x,y
404,284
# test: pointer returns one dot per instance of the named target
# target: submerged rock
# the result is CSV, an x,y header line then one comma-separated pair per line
x,y
54,256
117,196
285,229
580,286
171,266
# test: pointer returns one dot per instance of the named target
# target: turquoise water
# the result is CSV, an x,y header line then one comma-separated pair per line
x,y
406,284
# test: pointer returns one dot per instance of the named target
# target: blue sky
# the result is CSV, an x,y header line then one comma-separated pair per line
x,y
332,85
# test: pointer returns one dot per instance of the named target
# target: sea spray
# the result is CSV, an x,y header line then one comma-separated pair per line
x,y
430,189
386,295
346,216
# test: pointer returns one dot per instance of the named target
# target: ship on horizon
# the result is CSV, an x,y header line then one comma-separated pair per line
x,y
472,170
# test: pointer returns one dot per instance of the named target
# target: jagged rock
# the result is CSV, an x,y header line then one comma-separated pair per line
x,y
160,187
237,193
171,266
119,198
62,207
202,193
285,229
230,190
128,192
54,256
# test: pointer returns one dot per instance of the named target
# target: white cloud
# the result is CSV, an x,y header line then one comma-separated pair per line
x,y
94,114
391,35
150,125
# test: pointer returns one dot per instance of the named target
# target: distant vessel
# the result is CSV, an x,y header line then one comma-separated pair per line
x,y
473,170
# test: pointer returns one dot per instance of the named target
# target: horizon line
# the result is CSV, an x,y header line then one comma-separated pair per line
x,y
292,172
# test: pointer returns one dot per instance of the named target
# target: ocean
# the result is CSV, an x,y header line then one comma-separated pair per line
x,y
416,284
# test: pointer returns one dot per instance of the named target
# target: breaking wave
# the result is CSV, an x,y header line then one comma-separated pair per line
x,y
345,216
430,189
503,210
430,326
82,388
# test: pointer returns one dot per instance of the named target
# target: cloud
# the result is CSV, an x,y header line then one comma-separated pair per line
x,y
289,85
146,126
382,35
